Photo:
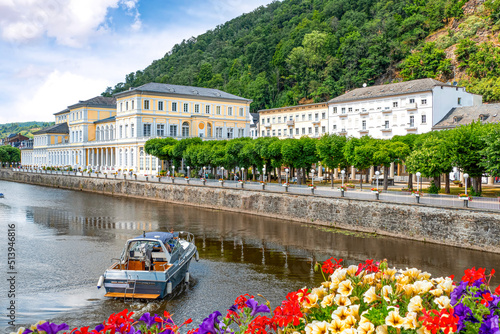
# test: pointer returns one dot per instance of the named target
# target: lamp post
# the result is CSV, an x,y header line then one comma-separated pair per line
x,y
418,179
188,175
173,173
342,172
204,172
222,168
264,173
466,176
312,178
286,171
243,174
377,173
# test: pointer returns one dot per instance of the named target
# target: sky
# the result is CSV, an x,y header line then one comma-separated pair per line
x,y
54,53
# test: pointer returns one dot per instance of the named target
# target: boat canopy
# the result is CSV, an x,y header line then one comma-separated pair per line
x,y
164,237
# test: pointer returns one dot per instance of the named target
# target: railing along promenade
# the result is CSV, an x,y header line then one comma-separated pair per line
x,y
366,193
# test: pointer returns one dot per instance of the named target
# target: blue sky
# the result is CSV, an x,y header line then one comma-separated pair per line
x,y
56,52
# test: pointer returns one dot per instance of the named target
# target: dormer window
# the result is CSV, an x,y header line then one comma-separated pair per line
x,y
483,117
457,119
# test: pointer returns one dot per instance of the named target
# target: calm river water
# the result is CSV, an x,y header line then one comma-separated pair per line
x,y
65,240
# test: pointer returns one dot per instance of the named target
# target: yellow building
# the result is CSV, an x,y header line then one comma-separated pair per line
x,y
109,133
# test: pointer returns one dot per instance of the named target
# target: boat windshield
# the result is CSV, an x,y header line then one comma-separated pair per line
x,y
139,249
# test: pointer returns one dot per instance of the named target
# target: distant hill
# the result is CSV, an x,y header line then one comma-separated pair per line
x,y
24,128
301,51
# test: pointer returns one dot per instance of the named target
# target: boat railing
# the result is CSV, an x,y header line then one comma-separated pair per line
x,y
189,237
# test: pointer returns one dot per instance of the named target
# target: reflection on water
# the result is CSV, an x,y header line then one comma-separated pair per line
x,y
65,240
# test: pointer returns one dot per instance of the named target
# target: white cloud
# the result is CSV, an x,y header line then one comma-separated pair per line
x,y
70,22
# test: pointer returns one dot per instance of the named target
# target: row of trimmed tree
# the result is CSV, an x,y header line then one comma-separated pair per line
x,y
474,149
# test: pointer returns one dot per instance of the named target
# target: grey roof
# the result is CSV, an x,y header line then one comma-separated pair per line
x,y
105,120
489,113
58,128
406,87
295,106
62,112
182,90
255,116
98,101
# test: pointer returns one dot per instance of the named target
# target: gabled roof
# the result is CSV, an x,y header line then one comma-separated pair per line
x,y
62,112
58,128
487,113
105,120
406,87
98,101
182,90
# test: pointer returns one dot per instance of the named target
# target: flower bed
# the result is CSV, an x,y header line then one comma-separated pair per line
x,y
464,197
375,190
364,299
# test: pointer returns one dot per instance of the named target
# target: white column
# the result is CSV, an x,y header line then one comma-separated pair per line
x,y
353,173
391,172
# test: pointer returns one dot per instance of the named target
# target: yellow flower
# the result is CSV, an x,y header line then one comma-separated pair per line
x,y
415,304
342,300
424,276
341,313
393,319
366,328
336,326
327,301
354,310
386,292
345,288
320,292
410,321
337,277
351,270
409,291
317,327
311,300
19,331
402,279
423,330
349,331
412,273
34,327
442,302
370,295
382,329
422,287
446,285
436,292
350,321
369,279
362,319
326,284
389,273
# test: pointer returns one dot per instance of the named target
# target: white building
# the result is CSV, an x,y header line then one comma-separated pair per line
x,y
384,111
294,122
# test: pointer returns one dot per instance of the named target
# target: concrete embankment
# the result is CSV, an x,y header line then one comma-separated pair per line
x,y
466,228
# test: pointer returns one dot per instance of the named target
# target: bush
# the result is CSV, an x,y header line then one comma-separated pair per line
x,y
433,189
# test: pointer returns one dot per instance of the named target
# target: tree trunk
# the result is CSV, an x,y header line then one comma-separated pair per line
x,y
253,173
368,176
361,182
435,179
279,175
331,177
299,177
447,183
386,177
410,181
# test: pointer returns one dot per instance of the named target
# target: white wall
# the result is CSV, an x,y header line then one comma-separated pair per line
x,y
446,98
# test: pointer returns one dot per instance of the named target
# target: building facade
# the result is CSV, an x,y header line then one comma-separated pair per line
x,y
109,133
294,122
384,111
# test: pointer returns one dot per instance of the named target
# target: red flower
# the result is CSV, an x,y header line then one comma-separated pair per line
x,y
328,267
497,290
472,275
192,331
288,312
487,298
241,300
368,266
444,320
83,330
260,325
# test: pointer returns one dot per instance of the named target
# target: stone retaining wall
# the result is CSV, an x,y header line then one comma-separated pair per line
x,y
466,228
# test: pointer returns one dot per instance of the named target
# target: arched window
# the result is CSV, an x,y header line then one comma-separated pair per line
x,y
120,156
132,157
126,157
141,159
111,133
185,129
102,133
97,134
107,133
209,130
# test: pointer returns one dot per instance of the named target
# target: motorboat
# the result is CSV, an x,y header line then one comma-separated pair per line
x,y
151,266
1,195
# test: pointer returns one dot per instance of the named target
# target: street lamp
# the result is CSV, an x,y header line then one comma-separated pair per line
x,y
264,173
243,174
342,172
222,168
188,172
204,172
286,171
466,176
377,173
173,171
312,179
418,178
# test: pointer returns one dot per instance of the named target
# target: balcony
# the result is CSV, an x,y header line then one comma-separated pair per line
x,y
364,132
343,132
343,115
364,112
387,130
387,111
411,106
290,122
316,121
268,125
411,128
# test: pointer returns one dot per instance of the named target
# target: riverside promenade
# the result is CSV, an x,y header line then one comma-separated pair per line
x,y
472,228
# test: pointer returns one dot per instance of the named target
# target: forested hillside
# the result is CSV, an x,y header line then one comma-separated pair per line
x,y
299,51
25,128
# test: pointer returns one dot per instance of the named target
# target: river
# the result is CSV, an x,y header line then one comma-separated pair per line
x,y
65,240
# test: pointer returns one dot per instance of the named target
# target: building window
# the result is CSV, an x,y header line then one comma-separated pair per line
x,y
263,133
132,130
121,106
424,101
241,133
126,130
386,124
296,118
412,100
349,110
185,129
424,119
241,112
186,107
197,108
323,115
230,133
125,160
207,109
343,110
394,104
412,121
274,120
335,126
268,133
303,131
147,130
279,119
174,106
121,131
217,110
363,125
316,130
173,130
133,104
230,111
323,129
297,131
334,110
310,117
146,104
121,157
279,132
310,130
274,133
126,105
303,117
160,130
160,105
459,101
284,132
